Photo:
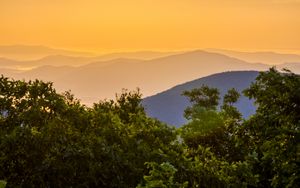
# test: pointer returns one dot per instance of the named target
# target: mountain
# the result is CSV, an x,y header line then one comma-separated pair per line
x,y
60,59
14,57
46,73
144,55
294,67
102,79
271,58
9,63
52,60
31,52
9,72
168,106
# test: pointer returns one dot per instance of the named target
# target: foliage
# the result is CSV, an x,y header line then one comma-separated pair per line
x,y
2,184
203,97
274,131
207,126
52,140
230,112
162,176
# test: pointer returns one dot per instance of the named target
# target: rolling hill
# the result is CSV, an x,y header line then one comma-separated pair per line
x,y
271,58
102,79
92,80
168,106
32,52
52,60
27,57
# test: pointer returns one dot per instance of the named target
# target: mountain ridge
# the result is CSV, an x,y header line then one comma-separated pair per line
x,y
168,106
102,79
267,57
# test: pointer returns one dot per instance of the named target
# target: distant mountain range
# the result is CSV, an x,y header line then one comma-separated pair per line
x,y
32,56
102,79
271,58
21,56
30,52
92,78
169,106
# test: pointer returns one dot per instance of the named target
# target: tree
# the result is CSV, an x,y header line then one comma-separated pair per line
x,y
162,176
25,108
209,127
52,140
274,131
229,111
130,139
203,97
2,184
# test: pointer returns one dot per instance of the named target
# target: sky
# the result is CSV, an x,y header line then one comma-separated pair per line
x,y
131,25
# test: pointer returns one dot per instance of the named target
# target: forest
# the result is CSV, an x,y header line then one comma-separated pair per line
x,y
48,139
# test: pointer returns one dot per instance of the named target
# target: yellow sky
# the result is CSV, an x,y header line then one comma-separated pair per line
x,y
125,25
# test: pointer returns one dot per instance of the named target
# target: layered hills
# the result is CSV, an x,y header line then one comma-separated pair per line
x,y
96,77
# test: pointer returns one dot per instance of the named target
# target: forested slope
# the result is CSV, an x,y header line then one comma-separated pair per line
x,y
168,106
52,140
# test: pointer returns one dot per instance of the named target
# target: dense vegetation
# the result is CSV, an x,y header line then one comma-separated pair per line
x,y
52,140
168,106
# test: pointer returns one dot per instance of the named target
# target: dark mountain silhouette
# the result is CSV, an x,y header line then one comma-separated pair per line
x,y
168,106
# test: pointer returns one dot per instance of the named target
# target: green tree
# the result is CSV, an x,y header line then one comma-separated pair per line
x,y
130,139
230,112
211,156
2,184
274,131
25,108
203,97
209,127
52,140
161,176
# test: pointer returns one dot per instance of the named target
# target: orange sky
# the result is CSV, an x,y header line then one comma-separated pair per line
x,y
126,25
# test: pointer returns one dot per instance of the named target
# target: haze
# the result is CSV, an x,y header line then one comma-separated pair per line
x,y
109,26
97,47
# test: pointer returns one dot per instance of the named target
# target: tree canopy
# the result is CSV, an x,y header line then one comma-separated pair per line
x,y
49,139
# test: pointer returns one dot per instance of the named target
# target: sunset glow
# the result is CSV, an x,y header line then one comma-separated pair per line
x,y
115,25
